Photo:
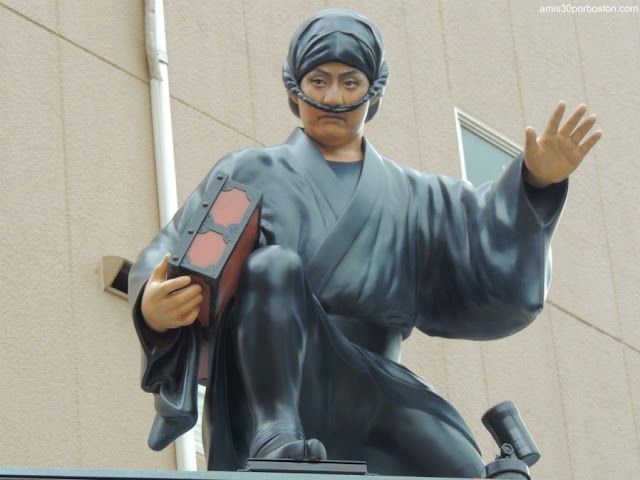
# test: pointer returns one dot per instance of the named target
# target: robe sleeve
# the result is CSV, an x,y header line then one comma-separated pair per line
x,y
484,254
170,360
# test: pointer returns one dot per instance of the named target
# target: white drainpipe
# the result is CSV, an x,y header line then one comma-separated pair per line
x,y
165,167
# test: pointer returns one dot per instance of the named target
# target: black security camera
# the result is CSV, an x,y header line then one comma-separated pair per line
x,y
518,451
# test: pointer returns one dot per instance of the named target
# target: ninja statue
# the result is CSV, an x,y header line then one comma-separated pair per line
x,y
354,252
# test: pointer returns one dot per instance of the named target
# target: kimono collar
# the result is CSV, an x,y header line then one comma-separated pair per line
x,y
341,235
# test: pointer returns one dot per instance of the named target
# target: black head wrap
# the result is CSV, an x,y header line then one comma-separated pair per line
x,y
336,35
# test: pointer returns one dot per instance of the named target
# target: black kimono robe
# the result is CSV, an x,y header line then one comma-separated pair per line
x,y
407,249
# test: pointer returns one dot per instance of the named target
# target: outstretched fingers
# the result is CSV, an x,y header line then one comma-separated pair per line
x,y
573,121
590,142
559,151
554,121
573,129
583,129
531,141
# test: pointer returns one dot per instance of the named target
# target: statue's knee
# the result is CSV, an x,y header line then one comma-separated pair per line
x,y
272,291
273,267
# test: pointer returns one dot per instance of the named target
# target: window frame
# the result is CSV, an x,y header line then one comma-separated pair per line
x,y
486,133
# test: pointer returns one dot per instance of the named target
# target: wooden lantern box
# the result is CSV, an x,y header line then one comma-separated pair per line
x,y
217,241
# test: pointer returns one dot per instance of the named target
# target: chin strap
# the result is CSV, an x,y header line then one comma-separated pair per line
x,y
375,90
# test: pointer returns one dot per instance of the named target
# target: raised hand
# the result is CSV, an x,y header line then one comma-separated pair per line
x,y
559,151
170,303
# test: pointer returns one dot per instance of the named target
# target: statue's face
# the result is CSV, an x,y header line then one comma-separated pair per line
x,y
334,84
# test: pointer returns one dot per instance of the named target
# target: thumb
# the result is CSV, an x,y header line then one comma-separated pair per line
x,y
160,272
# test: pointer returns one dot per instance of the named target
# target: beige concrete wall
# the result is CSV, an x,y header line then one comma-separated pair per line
x,y
77,183
76,141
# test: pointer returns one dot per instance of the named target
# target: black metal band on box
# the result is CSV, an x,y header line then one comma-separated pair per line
x,y
217,241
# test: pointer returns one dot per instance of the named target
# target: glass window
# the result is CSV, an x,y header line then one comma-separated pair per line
x,y
484,152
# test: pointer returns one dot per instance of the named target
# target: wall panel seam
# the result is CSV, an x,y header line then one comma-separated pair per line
x,y
562,398
594,327
249,69
220,122
412,79
67,195
445,50
609,256
517,66
71,42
